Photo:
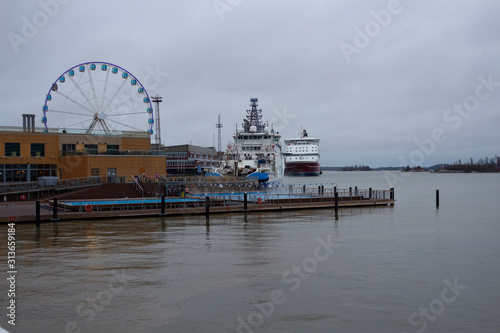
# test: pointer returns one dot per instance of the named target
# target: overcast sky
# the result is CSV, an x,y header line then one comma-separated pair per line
x,y
381,83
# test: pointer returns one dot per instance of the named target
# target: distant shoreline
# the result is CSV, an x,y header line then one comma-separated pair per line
x,y
403,170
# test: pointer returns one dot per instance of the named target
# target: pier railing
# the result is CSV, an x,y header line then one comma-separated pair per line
x,y
324,195
137,186
51,185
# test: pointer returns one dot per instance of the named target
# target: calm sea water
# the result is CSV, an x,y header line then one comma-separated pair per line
x,y
406,268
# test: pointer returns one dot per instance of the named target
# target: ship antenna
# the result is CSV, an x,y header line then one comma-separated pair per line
x,y
219,126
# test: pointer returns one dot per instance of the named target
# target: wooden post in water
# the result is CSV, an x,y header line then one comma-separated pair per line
x,y
319,189
207,206
163,205
245,202
356,190
336,201
350,191
37,213
304,189
370,193
392,196
437,198
54,211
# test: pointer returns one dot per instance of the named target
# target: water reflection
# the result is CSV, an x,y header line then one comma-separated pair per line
x,y
194,274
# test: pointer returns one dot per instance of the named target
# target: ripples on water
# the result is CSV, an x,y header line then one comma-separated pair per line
x,y
180,276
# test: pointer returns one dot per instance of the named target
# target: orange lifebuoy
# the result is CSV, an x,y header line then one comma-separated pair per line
x,y
23,197
259,200
88,207
228,209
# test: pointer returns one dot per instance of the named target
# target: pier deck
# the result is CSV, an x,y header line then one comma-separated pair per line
x,y
25,212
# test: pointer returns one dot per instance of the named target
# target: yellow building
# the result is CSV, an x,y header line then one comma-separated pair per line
x,y
29,153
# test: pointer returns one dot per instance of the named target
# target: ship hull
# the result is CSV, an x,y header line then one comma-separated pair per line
x,y
302,169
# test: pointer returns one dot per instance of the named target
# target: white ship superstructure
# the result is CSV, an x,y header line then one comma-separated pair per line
x,y
256,150
302,156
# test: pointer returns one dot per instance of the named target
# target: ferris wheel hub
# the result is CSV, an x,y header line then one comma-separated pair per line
x,y
101,115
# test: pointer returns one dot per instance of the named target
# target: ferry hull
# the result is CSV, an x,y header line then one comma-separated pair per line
x,y
302,169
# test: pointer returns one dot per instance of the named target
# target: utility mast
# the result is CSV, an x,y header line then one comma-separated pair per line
x,y
219,126
157,100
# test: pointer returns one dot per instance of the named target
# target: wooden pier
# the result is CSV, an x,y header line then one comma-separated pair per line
x,y
217,204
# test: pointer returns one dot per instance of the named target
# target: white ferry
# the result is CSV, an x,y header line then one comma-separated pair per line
x,y
302,156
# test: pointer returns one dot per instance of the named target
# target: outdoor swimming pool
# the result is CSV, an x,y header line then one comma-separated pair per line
x,y
126,201
126,204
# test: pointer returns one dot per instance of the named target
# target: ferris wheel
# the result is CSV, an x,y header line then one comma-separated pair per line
x,y
98,98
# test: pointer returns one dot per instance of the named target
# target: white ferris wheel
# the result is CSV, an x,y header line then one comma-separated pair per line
x,y
98,98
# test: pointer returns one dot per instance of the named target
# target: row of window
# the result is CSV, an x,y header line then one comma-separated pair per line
x,y
250,148
188,162
180,163
14,149
68,148
314,148
38,149
256,137
185,154
180,154
26,172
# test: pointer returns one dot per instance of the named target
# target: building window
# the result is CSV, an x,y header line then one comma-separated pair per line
x,y
12,149
91,149
68,149
112,149
37,149
95,172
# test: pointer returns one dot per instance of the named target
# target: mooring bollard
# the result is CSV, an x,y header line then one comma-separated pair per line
x,y
245,203
304,189
336,201
356,190
350,191
54,212
437,198
163,205
37,213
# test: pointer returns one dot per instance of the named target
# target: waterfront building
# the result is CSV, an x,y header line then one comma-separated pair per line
x,y
28,153
190,159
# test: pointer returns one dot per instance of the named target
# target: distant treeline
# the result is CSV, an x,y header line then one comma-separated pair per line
x,y
486,164
348,168
356,168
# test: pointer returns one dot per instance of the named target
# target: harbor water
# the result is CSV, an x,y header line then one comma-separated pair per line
x,y
410,267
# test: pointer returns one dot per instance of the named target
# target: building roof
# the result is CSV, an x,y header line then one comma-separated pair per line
x,y
192,149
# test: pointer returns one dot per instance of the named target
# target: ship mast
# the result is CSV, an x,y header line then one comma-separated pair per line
x,y
254,116
219,126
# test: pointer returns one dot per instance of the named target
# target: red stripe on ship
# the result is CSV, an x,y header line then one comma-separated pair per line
x,y
302,169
